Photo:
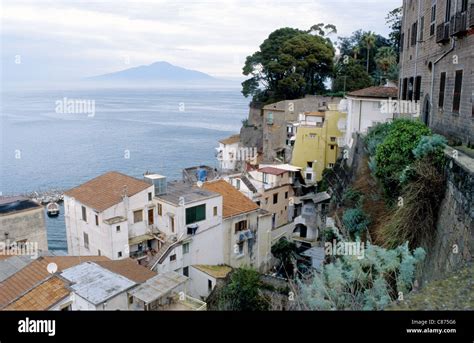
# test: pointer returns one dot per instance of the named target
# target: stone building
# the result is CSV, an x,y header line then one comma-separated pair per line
x,y
22,221
436,64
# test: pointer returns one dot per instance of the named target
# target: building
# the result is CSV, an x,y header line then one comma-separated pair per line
x,y
22,225
232,156
436,64
365,108
266,128
112,215
246,229
317,144
190,221
205,278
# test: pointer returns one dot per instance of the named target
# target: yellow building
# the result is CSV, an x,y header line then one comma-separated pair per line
x,y
316,144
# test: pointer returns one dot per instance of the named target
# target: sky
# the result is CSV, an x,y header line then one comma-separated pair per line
x,y
74,39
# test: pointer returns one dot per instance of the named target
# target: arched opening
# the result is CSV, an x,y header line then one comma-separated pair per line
x,y
426,110
302,230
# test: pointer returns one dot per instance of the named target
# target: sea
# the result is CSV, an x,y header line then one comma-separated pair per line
x,y
58,139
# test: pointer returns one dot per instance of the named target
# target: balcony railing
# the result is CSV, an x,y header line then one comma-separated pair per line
x,y
458,24
442,33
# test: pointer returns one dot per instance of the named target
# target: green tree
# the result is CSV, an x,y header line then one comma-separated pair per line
x,y
350,76
369,40
289,64
394,20
242,293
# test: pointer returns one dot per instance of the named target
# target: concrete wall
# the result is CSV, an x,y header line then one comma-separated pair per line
x,y
453,243
26,225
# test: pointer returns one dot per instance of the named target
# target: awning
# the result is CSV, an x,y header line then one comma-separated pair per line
x,y
139,239
158,287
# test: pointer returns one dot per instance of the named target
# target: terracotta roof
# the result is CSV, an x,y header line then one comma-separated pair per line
x,y
36,272
42,297
106,190
231,140
272,171
218,272
375,92
128,268
234,202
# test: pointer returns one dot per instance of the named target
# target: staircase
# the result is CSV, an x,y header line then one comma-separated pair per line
x,y
249,184
161,252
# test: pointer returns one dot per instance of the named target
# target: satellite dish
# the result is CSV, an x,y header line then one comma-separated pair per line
x,y
199,184
52,268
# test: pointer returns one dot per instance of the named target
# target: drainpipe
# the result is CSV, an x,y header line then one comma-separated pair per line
x,y
453,45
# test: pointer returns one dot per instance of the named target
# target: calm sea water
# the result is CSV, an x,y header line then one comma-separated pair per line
x,y
133,131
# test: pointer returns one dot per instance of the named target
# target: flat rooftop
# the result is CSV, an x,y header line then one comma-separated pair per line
x,y
189,192
95,283
16,204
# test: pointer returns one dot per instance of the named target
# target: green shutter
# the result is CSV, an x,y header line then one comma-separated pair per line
x,y
190,214
195,214
201,212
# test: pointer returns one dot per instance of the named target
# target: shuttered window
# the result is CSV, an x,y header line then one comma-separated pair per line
x,y
195,214
442,85
457,91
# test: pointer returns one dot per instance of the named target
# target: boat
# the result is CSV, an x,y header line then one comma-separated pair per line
x,y
52,209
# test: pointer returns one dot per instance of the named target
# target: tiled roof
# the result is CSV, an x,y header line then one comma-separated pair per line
x,y
234,202
128,268
272,171
218,272
36,272
106,190
231,140
375,92
42,297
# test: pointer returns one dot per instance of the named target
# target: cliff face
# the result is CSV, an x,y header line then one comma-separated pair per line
x,y
453,242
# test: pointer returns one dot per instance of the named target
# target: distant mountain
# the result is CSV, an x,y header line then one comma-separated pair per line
x,y
157,72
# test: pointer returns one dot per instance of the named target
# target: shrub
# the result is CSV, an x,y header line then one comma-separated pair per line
x,y
396,152
376,136
355,220
431,146
352,197
370,283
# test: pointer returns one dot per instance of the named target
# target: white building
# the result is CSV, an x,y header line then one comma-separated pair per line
x,y
112,215
190,220
365,108
227,152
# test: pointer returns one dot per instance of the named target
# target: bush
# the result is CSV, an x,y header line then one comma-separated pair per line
x,y
355,220
376,136
352,197
370,283
396,152
431,146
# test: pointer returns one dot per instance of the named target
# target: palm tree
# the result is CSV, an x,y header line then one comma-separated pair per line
x,y
385,58
356,51
369,40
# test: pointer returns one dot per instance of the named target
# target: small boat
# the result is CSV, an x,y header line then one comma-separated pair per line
x,y
52,209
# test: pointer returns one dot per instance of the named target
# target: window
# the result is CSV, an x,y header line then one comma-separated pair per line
x,y
464,5
457,91
117,228
173,257
215,211
309,164
442,85
286,195
332,147
119,254
333,139
150,196
160,210
405,89
265,178
414,32
172,224
209,285
137,216
238,184
447,17
422,27
185,248
86,240
195,214
309,176
331,165
241,226
417,88
433,20
84,214
186,271
275,198
96,220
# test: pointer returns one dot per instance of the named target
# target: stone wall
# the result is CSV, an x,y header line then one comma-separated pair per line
x,y
453,243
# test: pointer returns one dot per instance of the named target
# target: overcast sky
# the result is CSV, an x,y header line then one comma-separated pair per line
x,y
69,39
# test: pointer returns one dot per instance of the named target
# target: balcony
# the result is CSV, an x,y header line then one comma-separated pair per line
x,y
442,33
458,24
